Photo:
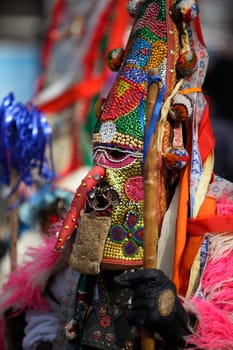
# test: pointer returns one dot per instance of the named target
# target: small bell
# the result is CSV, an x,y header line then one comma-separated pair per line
x,y
114,59
133,6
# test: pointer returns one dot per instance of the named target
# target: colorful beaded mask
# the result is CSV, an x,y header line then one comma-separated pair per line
x,y
159,41
119,133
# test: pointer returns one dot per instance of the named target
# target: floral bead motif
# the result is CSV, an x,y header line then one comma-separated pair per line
x,y
129,235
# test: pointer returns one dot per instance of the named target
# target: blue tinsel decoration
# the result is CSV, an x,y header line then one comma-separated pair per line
x,y
24,136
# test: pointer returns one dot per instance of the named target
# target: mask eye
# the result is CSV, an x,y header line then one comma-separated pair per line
x,y
116,154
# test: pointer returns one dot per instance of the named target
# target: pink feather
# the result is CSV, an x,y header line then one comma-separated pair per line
x,y
214,330
25,285
215,311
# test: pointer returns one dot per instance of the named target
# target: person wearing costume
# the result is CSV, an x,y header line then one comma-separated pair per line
x,y
91,291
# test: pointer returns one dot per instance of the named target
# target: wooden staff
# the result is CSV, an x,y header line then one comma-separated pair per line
x,y
150,199
14,222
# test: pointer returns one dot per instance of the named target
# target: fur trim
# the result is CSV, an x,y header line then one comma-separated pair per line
x,y
25,285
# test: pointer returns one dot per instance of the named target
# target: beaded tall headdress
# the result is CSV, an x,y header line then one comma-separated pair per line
x,y
159,43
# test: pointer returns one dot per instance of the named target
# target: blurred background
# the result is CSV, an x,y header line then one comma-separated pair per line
x,y
22,27
217,19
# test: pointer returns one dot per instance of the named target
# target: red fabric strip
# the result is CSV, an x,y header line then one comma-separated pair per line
x,y
57,12
85,89
93,85
210,224
206,140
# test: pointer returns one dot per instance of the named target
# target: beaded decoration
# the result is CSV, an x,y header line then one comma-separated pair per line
x,y
118,139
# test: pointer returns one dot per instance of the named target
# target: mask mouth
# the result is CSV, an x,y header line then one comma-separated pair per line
x,y
101,200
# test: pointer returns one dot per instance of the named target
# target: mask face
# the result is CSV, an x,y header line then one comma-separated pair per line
x,y
119,137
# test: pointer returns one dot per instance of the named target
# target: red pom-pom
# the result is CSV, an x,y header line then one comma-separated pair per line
x,y
184,11
176,158
187,63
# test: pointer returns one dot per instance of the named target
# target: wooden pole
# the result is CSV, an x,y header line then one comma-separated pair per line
x,y
150,200
14,223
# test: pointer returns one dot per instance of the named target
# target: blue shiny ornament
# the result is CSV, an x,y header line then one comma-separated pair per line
x,y
24,137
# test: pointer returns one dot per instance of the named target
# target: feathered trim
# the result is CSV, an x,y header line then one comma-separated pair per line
x,y
214,329
25,285
215,310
